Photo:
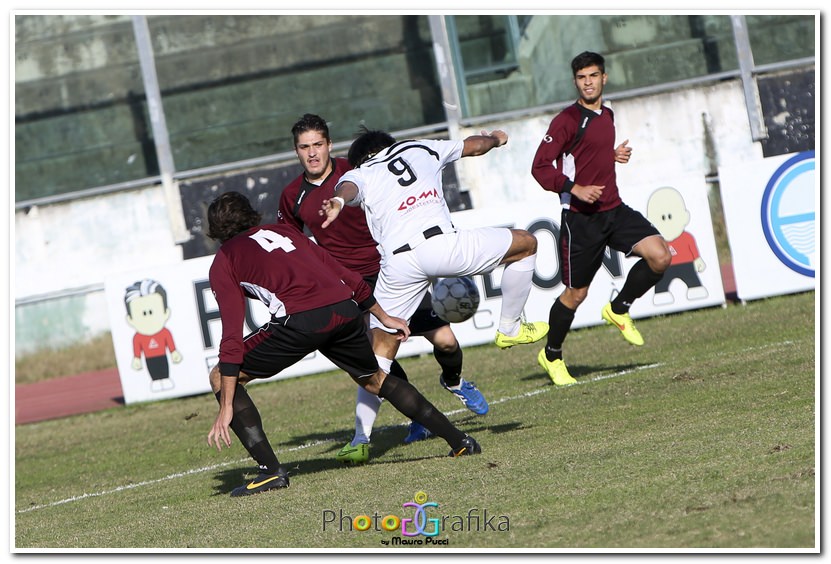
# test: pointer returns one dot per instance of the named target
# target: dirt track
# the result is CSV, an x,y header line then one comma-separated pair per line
x,y
70,395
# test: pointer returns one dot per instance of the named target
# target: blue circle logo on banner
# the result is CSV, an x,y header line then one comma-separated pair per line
x,y
789,215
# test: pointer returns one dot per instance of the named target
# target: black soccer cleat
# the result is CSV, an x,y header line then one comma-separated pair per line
x,y
469,446
263,482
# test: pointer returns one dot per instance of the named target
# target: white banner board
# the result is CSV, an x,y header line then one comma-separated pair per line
x,y
770,210
180,333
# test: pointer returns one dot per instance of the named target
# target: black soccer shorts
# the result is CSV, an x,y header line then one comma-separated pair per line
x,y
585,236
338,331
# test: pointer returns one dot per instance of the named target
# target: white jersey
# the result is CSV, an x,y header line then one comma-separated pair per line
x,y
400,190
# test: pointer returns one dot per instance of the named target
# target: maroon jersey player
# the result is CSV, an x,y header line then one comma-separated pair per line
x,y
314,305
577,159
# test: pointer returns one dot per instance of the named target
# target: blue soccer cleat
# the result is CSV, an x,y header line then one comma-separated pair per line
x,y
469,395
418,432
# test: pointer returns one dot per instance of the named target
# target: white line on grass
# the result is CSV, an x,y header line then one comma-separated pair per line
x,y
157,480
316,443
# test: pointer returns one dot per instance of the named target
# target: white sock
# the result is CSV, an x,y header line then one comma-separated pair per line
x,y
457,386
366,411
516,285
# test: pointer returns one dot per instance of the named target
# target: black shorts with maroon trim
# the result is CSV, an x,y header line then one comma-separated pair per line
x,y
424,319
338,331
585,236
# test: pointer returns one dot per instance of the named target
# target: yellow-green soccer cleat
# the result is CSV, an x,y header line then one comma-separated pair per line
x,y
357,454
528,333
556,370
624,323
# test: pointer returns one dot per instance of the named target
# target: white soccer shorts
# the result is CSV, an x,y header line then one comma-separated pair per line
x,y
406,276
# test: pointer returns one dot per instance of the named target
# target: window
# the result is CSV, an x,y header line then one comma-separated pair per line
x,y
513,62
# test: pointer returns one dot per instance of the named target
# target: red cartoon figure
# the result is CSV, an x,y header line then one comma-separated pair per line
x,y
147,313
668,213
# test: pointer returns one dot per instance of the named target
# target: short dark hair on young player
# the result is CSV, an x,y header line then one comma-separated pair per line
x,y
310,122
368,142
587,59
230,214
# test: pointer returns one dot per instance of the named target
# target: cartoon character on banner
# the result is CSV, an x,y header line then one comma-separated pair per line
x,y
147,313
668,212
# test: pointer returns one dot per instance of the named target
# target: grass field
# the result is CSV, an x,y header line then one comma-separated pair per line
x,y
705,438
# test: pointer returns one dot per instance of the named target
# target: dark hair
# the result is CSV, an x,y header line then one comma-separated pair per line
x,y
230,214
141,289
368,142
310,122
587,59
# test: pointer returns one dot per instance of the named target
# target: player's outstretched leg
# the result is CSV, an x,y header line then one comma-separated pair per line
x,y
646,273
516,286
452,381
409,401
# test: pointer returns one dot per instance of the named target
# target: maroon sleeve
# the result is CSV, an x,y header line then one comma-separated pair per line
x,y
547,165
231,301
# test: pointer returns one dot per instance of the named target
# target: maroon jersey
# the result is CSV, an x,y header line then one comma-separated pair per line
x,y
347,239
559,164
285,270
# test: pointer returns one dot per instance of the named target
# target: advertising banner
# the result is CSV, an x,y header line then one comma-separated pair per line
x,y
770,210
166,329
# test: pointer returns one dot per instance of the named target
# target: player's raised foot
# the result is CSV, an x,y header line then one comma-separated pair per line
x,y
263,482
357,454
469,395
624,323
417,432
469,446
529,332
556,370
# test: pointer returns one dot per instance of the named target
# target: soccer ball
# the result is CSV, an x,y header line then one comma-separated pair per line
x,y
455,299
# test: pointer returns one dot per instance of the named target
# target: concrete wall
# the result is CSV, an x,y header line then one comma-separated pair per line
x,y
81,243
232,86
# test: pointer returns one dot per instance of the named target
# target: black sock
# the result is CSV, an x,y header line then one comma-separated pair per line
x,y
639,280
398,371
409,401
451,365
248,427
560,319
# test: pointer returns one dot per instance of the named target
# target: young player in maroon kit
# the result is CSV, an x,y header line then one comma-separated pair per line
x,y
576,159
350,242
313,301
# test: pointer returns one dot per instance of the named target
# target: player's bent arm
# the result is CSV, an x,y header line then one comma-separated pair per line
x,y
345,192
219,433
476,145
589,194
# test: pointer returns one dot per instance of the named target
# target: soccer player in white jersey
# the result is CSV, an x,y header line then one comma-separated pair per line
x,y
399,186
